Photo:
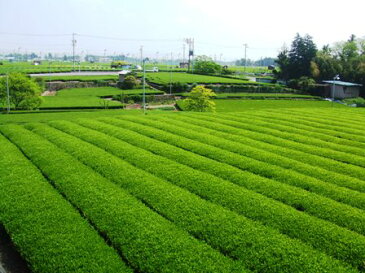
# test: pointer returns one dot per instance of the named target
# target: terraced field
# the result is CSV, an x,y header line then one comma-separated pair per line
x,y
165,78
276,190
88,97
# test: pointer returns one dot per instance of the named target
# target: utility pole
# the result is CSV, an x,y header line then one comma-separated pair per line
x,y
141,53
171,74
190,42
245,45
7,93
144,84
183,60
73,51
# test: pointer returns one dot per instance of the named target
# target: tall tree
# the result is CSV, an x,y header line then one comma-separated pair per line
x,y
283,62
296,62
324,66
302,52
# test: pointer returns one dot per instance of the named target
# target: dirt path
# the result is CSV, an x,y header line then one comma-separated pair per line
x,y
10,260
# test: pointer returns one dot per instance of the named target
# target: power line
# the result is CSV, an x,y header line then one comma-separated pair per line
x,y
128,39
32,34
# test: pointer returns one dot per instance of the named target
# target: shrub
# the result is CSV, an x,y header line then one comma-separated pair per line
x,y
130,82
360,102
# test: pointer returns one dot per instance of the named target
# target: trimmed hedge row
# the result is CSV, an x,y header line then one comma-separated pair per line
x,y
287,158
302,136
339,122
325,133
297,224
215,149
250,87
272,136
353,131
33,221
351,155
146,240
260,248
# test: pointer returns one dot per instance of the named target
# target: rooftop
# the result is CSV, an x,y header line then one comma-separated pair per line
x,y
343,83
124,72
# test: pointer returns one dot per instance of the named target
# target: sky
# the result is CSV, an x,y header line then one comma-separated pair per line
x,y
219,28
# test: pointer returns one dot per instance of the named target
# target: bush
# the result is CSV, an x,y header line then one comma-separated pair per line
x,y
130,82
133,97
360,102
205,65
41,82
199,100
176,87
250,88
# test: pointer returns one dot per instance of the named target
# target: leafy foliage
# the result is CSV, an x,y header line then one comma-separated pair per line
x,y
295,63
205,65
130,82
199,100
279,190
24,92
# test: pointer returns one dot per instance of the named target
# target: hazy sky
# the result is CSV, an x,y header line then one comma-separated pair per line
x,y
220,28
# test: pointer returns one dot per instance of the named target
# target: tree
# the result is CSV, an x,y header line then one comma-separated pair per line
x,y
24,92
324,66
283,63
296,62
304,84
205,65
199,100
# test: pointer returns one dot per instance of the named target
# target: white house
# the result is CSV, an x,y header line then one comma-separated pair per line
x,y
342,90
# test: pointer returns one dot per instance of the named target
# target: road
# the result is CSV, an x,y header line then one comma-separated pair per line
x,y
82,73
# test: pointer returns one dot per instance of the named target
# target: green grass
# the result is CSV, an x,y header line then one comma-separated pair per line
x,y
87,97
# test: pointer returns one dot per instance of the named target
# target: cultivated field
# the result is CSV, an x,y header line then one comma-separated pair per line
x,y
88,97
243,105
164,78
258,96
277,190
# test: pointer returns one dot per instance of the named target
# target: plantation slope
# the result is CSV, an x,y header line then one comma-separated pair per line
x,y
34,222
149,242
221,191
220,228
289,158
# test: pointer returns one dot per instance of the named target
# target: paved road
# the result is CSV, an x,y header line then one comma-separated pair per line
x,y
82,73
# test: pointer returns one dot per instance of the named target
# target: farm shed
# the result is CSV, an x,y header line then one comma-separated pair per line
x,y
122,74
341,90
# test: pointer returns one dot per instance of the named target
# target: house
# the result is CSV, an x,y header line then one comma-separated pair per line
x,y
36,62
184,65
341,90
122,74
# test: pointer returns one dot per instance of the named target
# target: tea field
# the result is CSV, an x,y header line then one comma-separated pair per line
x,y
166,77
76,98
270,190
